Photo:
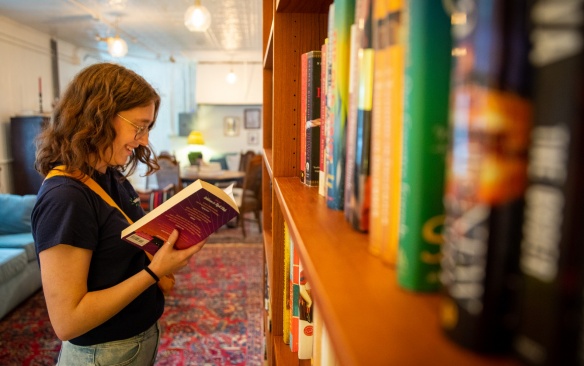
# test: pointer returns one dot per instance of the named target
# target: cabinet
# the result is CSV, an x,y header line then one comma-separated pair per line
x,y
23,131
371,321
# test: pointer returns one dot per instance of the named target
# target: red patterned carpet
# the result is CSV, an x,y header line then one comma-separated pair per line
x,y
214,316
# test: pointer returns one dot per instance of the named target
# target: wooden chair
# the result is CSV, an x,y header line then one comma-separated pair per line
x,y
169,172
244,158
168,182
249,197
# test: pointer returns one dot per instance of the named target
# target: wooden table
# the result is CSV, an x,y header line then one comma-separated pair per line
x,y
189,175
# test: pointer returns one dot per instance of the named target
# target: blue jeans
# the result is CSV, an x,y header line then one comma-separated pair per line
x,y
139,350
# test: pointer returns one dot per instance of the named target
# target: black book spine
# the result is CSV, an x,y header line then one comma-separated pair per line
x,y
550,330
312,168
490,116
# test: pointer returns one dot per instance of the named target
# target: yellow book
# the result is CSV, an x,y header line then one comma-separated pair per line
x,y
387,128
396,55
286,294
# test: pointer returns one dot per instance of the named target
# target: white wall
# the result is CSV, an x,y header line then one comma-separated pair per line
x,y
212,87
25,56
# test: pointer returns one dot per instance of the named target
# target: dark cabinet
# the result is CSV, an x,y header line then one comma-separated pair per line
x,y
23,131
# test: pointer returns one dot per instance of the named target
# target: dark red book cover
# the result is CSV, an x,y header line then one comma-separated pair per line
x,y
197,211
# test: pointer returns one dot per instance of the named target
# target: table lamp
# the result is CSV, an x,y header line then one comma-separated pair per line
x,y
195,138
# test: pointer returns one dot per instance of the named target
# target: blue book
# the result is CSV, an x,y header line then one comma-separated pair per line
x,y
344,15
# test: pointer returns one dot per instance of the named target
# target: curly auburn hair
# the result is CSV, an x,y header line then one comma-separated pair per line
x,y
81,128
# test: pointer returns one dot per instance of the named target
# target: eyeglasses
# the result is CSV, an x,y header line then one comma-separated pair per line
x,y
140,130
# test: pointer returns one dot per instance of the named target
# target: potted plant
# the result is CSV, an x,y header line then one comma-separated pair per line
x,y
195,157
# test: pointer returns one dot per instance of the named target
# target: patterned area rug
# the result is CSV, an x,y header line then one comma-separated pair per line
x,y
214,316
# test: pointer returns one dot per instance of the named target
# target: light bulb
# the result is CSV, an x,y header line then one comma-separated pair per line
x,y
197,18
117,47
231,78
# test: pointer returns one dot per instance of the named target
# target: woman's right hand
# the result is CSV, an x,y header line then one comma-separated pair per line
x,y
168,260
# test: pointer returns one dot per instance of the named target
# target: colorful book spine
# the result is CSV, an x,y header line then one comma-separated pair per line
x,y
302,124
349,204
305,326
425,144
286,293
360,191
380,95
388,122
330,104
294,278
550,330
323,119
486,174
312,119
394,131
344,13
362,186
317,335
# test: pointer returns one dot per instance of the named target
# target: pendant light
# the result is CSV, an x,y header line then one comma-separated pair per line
x,y
116,46
197,17
231,78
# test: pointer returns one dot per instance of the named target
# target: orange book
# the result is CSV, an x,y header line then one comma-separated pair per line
x,y
380,96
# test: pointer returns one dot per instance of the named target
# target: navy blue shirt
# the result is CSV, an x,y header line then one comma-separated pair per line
x,y
69,212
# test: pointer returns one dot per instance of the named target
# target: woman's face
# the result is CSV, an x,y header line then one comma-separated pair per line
x,y
132,128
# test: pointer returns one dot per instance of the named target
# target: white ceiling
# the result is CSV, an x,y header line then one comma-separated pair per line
x,y
153,29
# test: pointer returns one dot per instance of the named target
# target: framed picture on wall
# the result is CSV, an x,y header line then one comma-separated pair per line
x,y
252,118
253,138
231,126
186,123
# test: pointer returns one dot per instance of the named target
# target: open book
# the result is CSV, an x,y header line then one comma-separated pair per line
x,y
197,211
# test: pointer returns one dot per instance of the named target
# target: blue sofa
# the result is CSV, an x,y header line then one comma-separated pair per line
x,y
19,270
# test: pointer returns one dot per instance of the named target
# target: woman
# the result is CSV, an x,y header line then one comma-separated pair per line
x,y
101,292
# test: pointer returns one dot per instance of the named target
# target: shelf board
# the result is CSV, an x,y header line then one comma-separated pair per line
x,y
371,321
294,6
268,161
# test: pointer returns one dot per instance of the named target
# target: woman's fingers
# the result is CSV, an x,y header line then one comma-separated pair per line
x,y
173,236
195,248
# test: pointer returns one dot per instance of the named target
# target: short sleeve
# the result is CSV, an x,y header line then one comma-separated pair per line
x,y
65,213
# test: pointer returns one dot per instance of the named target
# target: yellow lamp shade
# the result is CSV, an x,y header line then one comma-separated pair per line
x,y
196,138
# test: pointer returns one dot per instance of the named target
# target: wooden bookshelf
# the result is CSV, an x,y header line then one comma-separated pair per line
x,y
370,320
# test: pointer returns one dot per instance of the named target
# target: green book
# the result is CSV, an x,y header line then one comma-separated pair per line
x,y
344,16
425,143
